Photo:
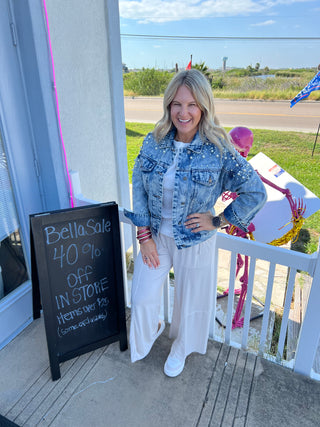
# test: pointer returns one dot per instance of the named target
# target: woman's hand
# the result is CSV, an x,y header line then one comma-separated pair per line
x,y
149,253
200,222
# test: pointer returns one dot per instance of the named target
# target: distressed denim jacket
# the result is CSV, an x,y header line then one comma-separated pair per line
x,y
203,174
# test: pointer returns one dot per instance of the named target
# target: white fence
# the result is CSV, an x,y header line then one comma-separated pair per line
x,y
307,344
309,329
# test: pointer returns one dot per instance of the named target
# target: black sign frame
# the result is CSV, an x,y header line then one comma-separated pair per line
x,y
94,231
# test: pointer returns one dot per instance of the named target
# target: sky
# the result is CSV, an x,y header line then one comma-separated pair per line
x,y
224,29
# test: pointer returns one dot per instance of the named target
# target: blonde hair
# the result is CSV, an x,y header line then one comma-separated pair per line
x,y
209,127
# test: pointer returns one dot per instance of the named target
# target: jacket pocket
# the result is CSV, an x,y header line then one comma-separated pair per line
x,y
147,164
147,168
204,177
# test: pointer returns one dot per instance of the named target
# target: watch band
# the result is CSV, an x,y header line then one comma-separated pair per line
x,y
216,221
219,221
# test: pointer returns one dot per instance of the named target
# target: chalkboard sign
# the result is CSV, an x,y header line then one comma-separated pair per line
x,y
77,274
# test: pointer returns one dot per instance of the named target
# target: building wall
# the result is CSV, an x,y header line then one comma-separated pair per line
x,y
32,50
85,41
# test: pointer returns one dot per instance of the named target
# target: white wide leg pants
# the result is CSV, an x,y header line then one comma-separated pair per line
x,y
193,298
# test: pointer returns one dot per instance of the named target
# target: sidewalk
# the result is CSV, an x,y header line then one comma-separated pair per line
x,y
226,387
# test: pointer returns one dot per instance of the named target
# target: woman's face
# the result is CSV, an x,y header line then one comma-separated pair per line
x,y
185,114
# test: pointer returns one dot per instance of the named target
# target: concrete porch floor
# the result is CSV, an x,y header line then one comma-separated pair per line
x,y
225,387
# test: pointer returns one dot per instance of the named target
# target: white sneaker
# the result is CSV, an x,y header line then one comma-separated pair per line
x,y
173,366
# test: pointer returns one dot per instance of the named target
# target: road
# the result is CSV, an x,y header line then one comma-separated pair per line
x,y
277,115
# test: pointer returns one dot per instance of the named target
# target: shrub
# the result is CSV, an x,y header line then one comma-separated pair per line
x,y
204,70
218,83
148,82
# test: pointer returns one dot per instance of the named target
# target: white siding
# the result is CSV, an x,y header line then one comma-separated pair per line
x,y
84,35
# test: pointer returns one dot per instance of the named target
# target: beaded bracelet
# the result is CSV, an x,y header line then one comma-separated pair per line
x,y
144,234
142,229
146,239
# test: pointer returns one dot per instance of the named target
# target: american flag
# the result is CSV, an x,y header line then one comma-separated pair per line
x,y
314,84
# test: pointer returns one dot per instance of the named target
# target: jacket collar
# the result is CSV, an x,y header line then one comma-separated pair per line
x,y
195,145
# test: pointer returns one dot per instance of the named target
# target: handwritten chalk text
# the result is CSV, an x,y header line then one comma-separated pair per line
x,y
73,230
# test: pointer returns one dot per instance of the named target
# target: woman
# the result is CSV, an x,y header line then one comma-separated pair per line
x,y
184,165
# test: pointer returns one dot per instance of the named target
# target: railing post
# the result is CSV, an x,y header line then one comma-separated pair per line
x,y
310,329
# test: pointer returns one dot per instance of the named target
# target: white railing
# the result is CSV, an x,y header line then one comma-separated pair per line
x,y
308,339
295,261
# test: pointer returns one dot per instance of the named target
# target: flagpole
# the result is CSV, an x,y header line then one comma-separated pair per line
x,y
189,66
315,141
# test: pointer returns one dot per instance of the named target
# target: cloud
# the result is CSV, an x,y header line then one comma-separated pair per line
x,y
146,11
263,24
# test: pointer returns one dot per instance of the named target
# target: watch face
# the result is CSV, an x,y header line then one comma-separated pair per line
x,y
216,221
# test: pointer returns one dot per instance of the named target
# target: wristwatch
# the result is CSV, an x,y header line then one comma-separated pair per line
x,y
219,221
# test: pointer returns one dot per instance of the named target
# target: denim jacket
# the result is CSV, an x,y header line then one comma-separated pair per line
x,y
203,174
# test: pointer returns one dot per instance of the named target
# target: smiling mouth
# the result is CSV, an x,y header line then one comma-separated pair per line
x,y
184,121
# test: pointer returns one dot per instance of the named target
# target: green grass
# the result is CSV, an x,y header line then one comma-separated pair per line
x,y
276,335
278,88
135,134
275,95
267,95
290,150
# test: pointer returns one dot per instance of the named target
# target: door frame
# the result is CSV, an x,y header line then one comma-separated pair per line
x,y
32,145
